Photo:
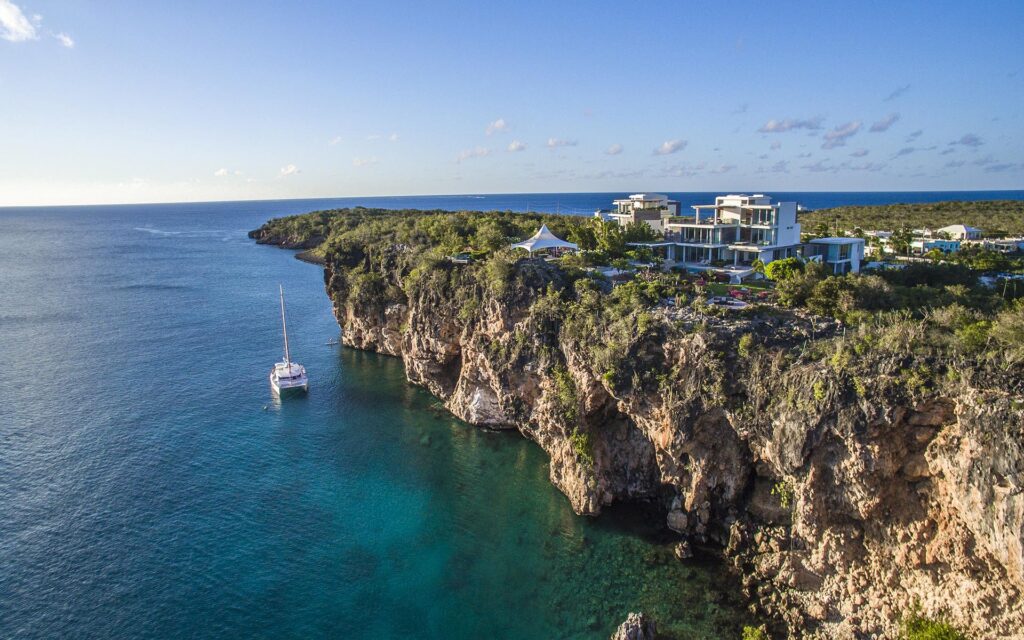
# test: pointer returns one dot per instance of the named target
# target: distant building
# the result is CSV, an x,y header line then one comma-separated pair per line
x,y
839,255
924,245
651,208
1002,245
961,232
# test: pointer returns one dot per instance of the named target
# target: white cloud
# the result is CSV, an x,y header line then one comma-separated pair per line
x,y
65,40
478,152
289,170
789,124
614,150
684,170
363,162
884,123
968,140
860,153
554,143
373,136
14,26
220,173
837,137
515,145
670,146
393,137
776,145
336,140
497,126
725,168
897,93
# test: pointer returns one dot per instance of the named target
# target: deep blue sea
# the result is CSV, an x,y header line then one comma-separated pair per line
x,y
150,487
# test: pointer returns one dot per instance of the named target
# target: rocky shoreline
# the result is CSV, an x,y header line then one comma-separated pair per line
x,y
843,500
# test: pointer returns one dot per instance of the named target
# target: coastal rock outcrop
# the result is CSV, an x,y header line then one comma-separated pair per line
x,y
842,503
848,480
636,627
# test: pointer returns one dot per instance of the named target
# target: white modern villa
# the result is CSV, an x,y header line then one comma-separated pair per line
x,y
651,208
730,235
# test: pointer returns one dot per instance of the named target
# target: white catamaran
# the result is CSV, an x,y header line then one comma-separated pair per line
x,y
287,377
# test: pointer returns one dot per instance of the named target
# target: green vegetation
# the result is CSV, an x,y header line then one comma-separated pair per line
x,y
918,627
566,397
583,446
783,269
755,633
994,217
746,345
784,492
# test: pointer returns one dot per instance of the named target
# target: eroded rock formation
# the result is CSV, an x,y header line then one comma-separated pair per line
x,y
841,498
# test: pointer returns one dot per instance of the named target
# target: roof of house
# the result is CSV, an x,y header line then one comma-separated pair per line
x,y
960,228
544,239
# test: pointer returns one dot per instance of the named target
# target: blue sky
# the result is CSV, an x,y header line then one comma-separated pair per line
x,y
146,101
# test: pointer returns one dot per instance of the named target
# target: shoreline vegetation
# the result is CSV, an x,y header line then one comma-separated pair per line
x,y
851,444
996,217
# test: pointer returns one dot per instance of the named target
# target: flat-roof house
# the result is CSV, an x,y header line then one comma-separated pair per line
x,y
839,255
651,208
961,232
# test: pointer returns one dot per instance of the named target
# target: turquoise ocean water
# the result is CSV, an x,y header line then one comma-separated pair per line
x,y
151,488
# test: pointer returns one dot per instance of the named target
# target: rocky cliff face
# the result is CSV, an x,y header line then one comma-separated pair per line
x,y
841,499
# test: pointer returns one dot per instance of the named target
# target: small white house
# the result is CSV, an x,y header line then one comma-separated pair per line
x,y
840,255
961,232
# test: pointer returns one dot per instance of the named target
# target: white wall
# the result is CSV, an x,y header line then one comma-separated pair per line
x,y
789,228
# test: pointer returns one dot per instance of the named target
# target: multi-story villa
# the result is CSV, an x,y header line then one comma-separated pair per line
x,y
651,208
732,233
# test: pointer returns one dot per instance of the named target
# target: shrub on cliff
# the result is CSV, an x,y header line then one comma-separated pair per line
x,y
755,633
918,627
1008,329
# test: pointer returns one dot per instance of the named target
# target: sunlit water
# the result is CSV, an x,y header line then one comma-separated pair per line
x,y
151,488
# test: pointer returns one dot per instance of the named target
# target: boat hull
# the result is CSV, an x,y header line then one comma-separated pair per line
x,y
288,388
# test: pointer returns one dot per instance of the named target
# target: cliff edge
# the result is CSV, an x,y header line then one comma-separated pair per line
x,y
850,475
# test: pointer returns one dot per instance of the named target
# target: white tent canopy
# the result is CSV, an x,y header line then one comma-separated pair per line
x,y
544,239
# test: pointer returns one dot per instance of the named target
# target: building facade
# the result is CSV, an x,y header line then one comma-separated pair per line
x,y
736,230
730,235
961,232
651,208
839,255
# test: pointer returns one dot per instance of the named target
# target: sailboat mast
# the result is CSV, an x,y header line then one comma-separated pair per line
x,y
284,327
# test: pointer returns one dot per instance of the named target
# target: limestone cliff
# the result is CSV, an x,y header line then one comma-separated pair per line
x,y
842,492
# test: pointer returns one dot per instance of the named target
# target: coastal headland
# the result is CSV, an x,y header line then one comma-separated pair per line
x,y
851,445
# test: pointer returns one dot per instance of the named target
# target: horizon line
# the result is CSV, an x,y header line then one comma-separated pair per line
x,y
485,194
